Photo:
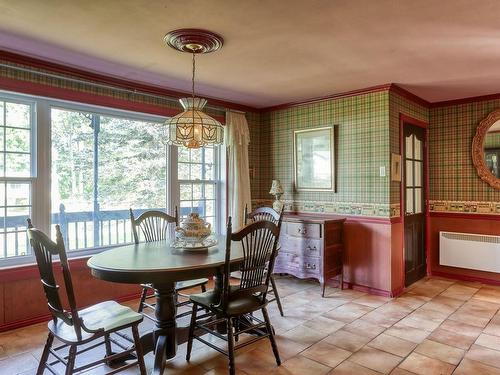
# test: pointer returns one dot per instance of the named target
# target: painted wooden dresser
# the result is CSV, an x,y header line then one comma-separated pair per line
x,y
311,247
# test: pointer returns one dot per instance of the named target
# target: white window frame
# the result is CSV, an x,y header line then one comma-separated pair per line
x,y
41,168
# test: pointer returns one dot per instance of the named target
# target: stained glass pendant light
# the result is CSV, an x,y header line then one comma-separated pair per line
x,y
193,128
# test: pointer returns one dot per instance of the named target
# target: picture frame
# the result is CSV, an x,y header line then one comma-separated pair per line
x,y
314,159
395,167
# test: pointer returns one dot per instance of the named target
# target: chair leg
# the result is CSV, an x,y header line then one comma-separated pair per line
x,y
276,295
45,354
138,350
191,331
107,343
71,360
271,336
143,299
236,325
230,346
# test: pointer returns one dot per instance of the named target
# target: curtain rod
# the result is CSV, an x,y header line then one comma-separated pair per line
x,y
101,85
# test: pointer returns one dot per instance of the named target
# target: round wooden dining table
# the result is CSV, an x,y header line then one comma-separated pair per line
x,y
160,264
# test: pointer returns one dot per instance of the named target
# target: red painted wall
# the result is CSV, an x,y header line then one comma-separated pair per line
x,y
368,263
23,302
463,223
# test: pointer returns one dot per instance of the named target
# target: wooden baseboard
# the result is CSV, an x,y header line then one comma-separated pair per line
x,y
465,278
369,290
46,317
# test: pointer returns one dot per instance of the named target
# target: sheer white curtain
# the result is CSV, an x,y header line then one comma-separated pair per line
x,y
237,138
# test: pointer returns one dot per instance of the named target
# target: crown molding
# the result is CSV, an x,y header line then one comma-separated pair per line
x,y
95,77
91,76
471,99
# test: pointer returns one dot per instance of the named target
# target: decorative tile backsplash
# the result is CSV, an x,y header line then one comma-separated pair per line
x,y
336,208
470,207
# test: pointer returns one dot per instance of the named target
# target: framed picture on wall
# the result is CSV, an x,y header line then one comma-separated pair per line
x,y
395,167
314,159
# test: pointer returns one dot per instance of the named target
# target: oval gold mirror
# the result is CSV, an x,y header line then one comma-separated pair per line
x,y
486,149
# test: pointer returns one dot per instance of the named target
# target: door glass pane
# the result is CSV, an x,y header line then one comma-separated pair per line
x,y
418,173
409,173
409,146
418,149
409,201
418,200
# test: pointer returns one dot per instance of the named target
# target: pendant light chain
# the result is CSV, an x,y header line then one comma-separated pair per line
x,y
194,69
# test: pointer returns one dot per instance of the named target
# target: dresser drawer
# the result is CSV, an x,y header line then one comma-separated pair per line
x,y
303,230
296,263
301,246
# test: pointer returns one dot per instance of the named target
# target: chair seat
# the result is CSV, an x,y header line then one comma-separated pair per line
x,y
182,285
108,315
239,306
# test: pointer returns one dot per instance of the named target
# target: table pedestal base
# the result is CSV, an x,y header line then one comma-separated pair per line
x,y
163,339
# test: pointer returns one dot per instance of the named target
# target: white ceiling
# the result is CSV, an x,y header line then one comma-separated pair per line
x,y
275,51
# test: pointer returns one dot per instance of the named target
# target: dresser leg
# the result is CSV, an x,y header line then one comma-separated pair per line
x,y
323,286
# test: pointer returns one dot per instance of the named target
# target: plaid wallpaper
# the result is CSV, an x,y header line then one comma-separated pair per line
x,y
362,147
453,177
14,73
398,105
254,125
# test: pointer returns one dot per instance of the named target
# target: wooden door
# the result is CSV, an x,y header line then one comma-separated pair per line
x,y
414,202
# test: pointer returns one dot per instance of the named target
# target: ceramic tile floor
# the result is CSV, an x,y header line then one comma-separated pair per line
x,y
437,326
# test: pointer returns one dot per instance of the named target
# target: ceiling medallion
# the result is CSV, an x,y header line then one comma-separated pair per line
x,y
193,40
193,128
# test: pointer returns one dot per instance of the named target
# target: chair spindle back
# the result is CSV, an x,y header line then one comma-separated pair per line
x,y
154,225
262,213
45,249
258,241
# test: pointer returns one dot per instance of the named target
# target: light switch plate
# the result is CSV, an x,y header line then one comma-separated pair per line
x,y
382,171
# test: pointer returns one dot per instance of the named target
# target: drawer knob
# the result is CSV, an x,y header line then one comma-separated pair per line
x,y
311,248
302,230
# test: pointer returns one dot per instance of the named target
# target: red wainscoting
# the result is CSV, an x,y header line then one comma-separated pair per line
x,y
463,223
373,263
22,301
373,257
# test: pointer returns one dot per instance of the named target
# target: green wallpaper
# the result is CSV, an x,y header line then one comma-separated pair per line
x,y
362,147
162,101
254,125
400,105
452,174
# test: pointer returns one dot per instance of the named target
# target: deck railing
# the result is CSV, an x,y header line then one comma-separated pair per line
x,y
77,229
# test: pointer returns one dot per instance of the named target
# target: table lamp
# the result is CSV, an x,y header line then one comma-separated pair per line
x,y
277,191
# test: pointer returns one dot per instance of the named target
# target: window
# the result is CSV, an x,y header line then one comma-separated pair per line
x,y
95,163
16,172
101,166
197,178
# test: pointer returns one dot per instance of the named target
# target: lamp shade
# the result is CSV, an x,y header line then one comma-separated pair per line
x,y
276,188
193,128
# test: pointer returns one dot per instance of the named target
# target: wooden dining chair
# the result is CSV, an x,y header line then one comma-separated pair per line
x,y
75,327
267,213
234,308
155,226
